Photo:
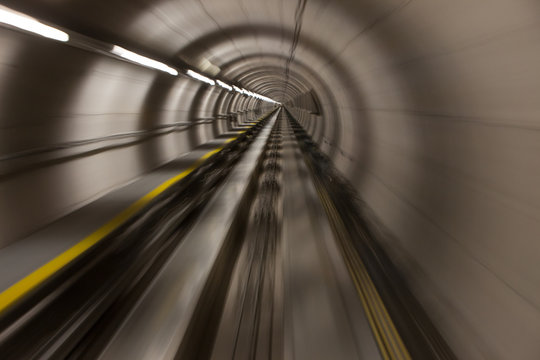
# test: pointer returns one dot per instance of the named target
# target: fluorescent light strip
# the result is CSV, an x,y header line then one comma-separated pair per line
x,y
142,60
252,94
223,85
267,99
27,23
200,77
21,21
259,96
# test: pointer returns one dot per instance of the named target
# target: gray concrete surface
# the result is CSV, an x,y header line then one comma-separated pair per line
x,y
22,257
156,325
429,107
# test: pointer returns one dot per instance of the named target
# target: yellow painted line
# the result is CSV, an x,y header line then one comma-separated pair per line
x,y
386,335
367,303
210,153
16,291
369,315
397,342
385,323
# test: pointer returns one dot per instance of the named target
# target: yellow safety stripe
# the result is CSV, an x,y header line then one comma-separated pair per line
x,y
386,335
22,287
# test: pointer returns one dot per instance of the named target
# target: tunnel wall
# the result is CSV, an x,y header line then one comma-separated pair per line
x,y
54,96
429,108
450,179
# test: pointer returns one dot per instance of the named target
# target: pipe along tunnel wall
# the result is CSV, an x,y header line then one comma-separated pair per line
x,y
429,108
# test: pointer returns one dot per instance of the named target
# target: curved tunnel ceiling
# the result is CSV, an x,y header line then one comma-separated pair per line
x,y
429,108
213,31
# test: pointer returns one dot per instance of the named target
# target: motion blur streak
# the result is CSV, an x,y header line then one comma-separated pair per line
x,y
343,179
200,77
20,21
117,50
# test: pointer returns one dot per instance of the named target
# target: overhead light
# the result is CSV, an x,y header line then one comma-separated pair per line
x,y
252,94
143,60
200,77
21,21
265,98
223,85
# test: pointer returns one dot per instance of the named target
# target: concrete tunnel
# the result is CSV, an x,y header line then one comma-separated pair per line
x,y
428,109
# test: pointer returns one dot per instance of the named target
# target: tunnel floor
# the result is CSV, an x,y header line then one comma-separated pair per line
x,y
250,248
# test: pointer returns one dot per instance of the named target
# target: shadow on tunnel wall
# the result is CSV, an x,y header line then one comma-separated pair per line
x,y
438,134
35,112
152,111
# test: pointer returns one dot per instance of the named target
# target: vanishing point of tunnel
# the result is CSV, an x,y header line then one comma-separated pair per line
x,y
270,179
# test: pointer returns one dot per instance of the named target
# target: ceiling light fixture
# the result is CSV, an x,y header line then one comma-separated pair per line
x,y
21,21
200,77
224,85
142,60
